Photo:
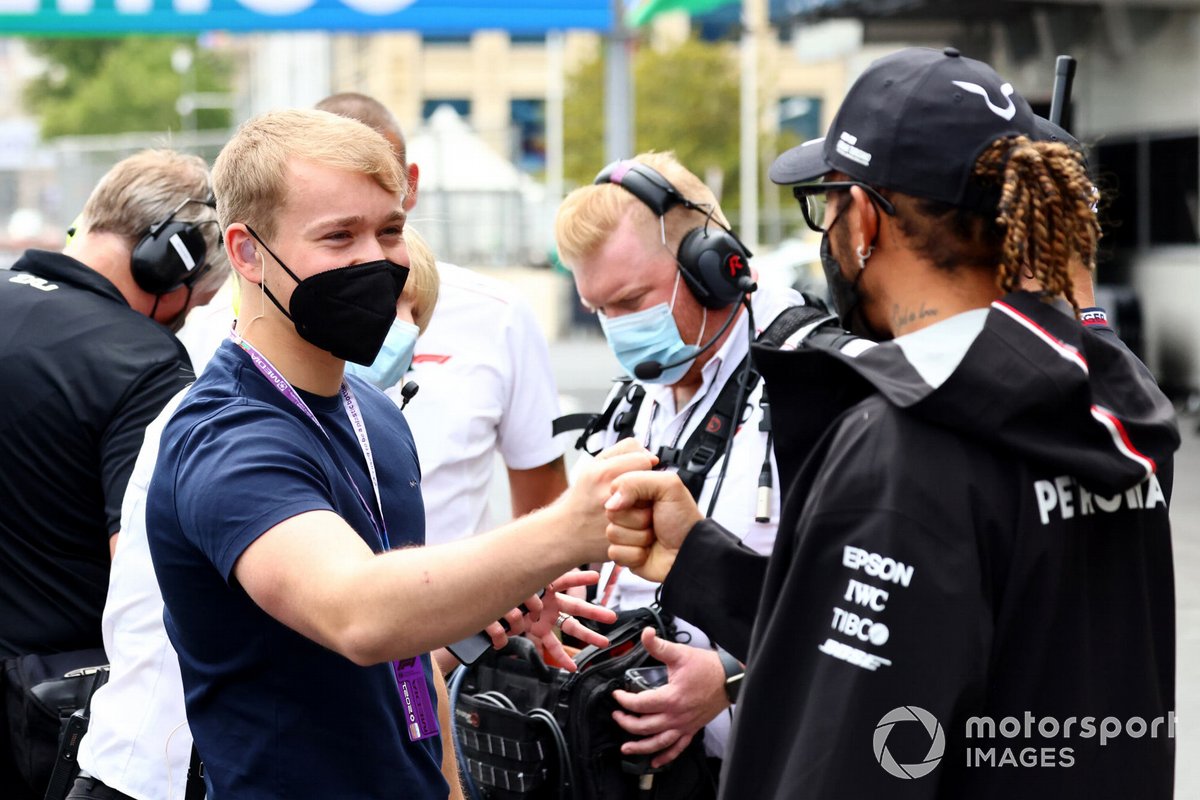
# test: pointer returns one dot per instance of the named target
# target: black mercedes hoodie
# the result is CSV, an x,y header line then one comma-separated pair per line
x,y
971,594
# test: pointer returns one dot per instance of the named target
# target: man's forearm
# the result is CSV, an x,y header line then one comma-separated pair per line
x,y
531,489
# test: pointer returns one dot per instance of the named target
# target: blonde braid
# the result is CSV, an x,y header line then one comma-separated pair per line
x,y
1045,212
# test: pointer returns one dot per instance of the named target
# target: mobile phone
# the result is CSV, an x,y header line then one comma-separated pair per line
x,y
639,679
468,650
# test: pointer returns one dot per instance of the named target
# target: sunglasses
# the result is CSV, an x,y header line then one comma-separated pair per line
x,y
814,199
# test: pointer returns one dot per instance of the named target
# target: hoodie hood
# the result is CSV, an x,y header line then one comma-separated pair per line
x,y
1021,376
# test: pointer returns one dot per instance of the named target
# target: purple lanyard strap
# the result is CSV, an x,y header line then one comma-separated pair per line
x,y
419,717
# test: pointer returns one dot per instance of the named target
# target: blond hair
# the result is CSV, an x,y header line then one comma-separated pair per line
x,y
1043,218
144,189
589,215
250,176
1046,210
423,281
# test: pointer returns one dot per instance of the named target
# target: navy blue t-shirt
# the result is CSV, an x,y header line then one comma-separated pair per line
x,y
273,713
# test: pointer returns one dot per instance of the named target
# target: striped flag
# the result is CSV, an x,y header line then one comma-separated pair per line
x,y
642,11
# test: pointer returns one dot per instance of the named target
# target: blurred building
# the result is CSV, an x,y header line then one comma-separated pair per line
x,y
503,86
1136,104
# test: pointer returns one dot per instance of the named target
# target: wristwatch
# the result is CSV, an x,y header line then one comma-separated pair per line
x,y
734,672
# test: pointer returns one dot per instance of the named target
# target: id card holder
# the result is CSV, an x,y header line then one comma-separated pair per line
x,y
419,716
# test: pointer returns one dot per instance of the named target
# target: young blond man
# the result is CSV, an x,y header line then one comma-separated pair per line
x,y
300,606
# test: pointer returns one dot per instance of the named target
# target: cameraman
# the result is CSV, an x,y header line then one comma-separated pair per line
x,y
634,241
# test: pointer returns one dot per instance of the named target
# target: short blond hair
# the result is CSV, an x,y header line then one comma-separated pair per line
x,y
250,176
589,215
144,189
423,282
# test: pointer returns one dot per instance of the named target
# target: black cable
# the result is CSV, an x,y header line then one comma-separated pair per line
x,y
737,410
564,759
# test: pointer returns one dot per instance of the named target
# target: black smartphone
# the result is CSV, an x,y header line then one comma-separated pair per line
x,y
468,650
639,679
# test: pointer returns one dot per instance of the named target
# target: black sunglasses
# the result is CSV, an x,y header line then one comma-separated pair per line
x,y
814,197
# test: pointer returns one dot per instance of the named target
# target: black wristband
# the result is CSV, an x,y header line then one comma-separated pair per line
x,y
734,671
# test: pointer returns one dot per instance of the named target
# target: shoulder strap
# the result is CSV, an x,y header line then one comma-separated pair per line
x,y
195,788
627,392
707,443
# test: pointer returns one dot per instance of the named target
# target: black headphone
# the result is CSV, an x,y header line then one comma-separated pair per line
x,y
173,253
712,260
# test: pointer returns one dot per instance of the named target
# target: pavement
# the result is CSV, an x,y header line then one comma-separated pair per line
x,y
584,366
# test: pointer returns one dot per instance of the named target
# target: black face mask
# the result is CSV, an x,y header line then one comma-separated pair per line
x,y
346,311
847,300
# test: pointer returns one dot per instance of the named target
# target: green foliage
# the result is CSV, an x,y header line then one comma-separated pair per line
x,y
118,85
687,100
583,123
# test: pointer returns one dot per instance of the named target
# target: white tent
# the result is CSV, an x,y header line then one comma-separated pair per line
x,y
474,206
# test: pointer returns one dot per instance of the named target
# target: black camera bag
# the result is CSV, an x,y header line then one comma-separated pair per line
x,y
526,731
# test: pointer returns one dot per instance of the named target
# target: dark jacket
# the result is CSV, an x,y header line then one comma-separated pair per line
x,y
81,376
962,550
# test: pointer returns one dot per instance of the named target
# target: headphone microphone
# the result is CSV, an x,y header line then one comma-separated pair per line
x,y
649,370
408,391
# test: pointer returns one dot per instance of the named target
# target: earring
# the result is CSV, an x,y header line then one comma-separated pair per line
x,y
862,257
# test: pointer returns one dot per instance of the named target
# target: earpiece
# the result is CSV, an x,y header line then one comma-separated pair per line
x,y
171,254
713,261
246,250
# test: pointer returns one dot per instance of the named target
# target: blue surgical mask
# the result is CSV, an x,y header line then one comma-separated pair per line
x,y
650,335
394,359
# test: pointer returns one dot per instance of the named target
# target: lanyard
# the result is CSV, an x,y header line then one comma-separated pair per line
x,y
356,421
420,720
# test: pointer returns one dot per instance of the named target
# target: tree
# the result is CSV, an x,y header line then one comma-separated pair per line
x,y
686,101
118,85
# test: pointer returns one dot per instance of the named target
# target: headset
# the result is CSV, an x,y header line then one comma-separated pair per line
x,y
172,253
713,261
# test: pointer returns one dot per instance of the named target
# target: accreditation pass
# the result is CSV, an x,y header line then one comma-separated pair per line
x,y
419,716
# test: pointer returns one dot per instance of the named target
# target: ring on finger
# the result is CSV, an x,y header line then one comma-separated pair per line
x,y
562,617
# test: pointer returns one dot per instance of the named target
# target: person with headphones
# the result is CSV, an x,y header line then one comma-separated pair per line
x,y
977,523
146,756
654,257
87,359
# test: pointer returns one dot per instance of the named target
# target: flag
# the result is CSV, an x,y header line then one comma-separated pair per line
x,y
642,11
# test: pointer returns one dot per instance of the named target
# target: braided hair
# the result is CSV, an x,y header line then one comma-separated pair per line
x,y
1046,212
1044,216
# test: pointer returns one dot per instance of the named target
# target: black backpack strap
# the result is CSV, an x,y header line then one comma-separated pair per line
x,y
627,392
707,443
66,766
195,788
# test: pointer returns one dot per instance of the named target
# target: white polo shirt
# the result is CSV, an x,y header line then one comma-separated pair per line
x,y
138,741
486,388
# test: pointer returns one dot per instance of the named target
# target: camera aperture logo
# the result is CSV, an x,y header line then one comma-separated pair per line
x,y
909,714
